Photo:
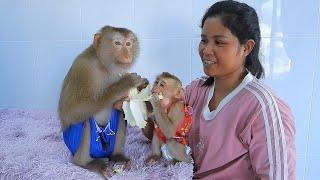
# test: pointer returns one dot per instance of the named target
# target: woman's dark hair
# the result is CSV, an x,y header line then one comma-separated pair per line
x,y
242,21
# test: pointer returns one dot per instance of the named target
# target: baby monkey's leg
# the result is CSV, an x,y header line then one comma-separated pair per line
x,y
178,151
156,151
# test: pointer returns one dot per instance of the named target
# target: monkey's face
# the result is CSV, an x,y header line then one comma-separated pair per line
x,y
117,50
169,89
122,48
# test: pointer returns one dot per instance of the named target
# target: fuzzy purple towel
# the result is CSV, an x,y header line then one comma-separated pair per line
x,y
31,147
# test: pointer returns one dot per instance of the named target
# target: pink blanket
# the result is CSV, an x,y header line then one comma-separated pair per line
x,y
31,147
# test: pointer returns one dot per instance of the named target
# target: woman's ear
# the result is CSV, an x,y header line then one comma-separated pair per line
x,y
96,39
249,46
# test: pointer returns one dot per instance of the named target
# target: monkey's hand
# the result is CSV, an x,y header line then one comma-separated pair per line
x,y
118,105
121,88
132,80
155,100
143,85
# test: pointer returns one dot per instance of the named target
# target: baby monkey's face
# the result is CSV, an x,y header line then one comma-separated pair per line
x,y
169,89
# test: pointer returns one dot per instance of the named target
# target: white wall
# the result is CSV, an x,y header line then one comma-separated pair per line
x,y
40,38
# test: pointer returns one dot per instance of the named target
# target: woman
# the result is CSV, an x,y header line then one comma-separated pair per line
x,y
240,130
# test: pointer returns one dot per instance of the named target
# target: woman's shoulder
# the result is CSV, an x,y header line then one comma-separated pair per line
x,y
195,90
197,83
268,107
264,94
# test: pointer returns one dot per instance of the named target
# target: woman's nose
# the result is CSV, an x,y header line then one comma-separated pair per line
x,y
207,51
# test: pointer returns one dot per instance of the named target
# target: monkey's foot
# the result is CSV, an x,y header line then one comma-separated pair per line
x,y
170,163
128,165
108,172
152,160
120,160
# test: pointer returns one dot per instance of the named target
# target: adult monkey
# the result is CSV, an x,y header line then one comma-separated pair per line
x,y
92,127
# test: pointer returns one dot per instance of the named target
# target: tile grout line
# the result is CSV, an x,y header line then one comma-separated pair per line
x,y
81,24
315,77
133,13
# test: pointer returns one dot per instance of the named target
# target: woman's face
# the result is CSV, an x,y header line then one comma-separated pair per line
x,y
220,51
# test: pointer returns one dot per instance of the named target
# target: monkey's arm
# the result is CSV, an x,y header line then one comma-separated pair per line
x,y
117,90
168,122
178,151
156,150
86,98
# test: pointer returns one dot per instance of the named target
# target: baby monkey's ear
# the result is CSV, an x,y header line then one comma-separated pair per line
x,y
179,93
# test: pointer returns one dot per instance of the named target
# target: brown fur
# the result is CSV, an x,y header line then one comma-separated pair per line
x,y
93,85
168,121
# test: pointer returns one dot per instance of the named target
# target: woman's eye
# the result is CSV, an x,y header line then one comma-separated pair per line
x,y
162,85
117,43
128,43
203,41
219,42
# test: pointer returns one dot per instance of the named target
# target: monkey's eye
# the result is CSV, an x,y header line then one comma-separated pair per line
x,y
128,43
117,43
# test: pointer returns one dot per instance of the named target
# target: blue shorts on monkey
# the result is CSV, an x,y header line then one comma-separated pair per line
x,y
102,139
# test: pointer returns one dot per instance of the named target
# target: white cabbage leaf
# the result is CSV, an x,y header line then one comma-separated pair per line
x,y
135,109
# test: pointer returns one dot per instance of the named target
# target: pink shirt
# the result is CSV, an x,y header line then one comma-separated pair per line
x,y
250,135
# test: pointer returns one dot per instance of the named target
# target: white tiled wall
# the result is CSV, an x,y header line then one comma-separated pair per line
x,y
39,40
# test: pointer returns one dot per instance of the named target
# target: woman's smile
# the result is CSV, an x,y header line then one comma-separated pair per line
x,y
209,62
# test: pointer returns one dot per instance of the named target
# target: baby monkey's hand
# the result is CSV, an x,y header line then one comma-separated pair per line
x,y
154,99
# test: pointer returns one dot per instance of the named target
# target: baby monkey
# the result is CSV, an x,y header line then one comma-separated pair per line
x,y
172,121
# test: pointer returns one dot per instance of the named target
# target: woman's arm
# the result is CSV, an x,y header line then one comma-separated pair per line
x,y
272,142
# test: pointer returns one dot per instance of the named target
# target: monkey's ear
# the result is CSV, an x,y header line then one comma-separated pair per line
x,y
179,94
96,39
